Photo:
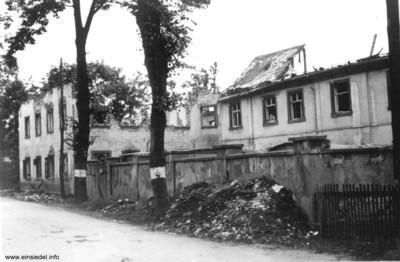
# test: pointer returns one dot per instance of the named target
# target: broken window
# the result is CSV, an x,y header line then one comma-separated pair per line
x,y
208,116
341,97
38,124
270,110
50,120
296,105
100,119
49,167
26,165
38,164
235,115
27,127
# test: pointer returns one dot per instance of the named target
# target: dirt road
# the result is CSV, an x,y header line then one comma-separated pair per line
x,y
44,231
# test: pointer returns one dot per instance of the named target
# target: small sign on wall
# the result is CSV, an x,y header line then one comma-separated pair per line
x,y
157,172
80,173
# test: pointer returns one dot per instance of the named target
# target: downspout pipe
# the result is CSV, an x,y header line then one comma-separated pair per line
x,y
315,109
305,60
252,121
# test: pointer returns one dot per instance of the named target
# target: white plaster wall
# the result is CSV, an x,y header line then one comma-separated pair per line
x,y
204,137
368,124
40,145
177,117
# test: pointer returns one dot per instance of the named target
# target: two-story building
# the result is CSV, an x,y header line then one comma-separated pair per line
x,y
40,140
271,101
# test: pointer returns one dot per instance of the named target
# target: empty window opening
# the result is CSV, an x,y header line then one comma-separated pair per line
x,y
50,120
26,165
100,118
38,124
49,167
38,166
208,116
27,127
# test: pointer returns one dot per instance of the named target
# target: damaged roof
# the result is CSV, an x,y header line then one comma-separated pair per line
x,y
266,68
377,62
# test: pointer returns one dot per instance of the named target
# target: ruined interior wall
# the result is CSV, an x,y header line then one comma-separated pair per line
x,y
116,138
204,137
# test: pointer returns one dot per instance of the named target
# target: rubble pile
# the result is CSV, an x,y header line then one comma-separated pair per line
x,y
38,197
257,211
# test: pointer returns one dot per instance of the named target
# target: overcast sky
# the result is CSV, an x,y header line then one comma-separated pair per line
x,y
231,32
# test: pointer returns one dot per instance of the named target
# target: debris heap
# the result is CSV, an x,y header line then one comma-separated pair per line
x,y
257,211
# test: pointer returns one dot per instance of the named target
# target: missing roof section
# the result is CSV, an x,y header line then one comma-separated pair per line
x,y
267,68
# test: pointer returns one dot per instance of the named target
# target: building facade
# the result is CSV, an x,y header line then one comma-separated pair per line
x,y
347,103
274,99
40,139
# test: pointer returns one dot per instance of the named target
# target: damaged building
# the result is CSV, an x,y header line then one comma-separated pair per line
x,y
274,99
40,139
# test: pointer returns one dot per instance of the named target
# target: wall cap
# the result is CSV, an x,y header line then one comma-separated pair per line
x,y
307,138
229,146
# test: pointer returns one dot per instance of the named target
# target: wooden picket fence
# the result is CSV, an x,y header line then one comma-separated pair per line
x,y
364,212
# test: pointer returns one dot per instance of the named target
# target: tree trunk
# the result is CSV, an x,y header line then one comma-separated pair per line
x,y
394,61
81,143
148,18
62,127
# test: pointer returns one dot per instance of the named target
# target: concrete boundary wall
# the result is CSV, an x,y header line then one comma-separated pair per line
x,y
300,169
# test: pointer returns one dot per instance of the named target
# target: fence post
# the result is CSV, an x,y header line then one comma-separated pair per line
x,y
109,162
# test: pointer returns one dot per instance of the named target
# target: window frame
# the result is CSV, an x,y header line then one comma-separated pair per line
x,y
38,128
107,120
50,116
26,163
296,120
37,162
27,126
231,112
214,113
264,109
335,101
47,167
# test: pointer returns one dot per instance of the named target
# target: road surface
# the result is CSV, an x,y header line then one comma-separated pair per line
x,y
57,234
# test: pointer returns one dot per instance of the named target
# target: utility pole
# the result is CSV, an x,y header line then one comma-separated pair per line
x,y
62,126
392,7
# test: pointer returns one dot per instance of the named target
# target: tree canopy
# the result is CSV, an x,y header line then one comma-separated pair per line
x,y
14,94
111,92
202,80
